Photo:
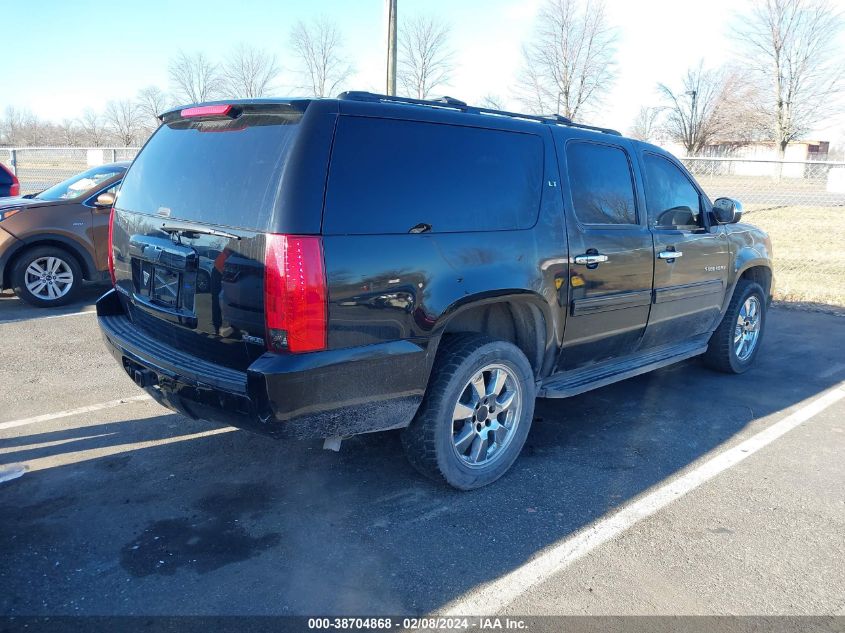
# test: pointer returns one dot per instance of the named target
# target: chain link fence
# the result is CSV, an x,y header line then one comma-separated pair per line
x,y
38,168
801,205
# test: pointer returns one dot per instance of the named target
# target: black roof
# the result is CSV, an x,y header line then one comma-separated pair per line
x,y
443,103
451,103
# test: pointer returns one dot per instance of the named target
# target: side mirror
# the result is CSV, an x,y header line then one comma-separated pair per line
x,y
727,210
104,200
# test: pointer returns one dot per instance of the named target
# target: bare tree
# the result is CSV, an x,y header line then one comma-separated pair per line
x,y
37,132
569,64
492,101
151,101
533,88
93,128
692,117
645,124
195,78
318,45
710,105
68,133
791,45
425,59
123,120
249,72
12,128
22,127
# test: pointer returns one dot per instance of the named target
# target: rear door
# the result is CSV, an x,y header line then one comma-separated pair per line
x,y
610,248
190,230
691,257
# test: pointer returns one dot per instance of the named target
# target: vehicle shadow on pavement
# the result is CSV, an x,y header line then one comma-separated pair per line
x,y
13,309
97,436
236,523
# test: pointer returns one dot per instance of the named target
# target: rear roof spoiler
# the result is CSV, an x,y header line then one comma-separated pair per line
x,y
241,105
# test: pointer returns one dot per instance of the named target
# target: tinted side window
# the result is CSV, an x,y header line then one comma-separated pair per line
x,y
601,183
387,176
672,201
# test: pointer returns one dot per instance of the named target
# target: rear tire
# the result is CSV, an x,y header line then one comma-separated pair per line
x,y
46,277
476,413
734,345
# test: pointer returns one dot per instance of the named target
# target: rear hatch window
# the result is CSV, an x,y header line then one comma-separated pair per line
x,y
187,284
221,171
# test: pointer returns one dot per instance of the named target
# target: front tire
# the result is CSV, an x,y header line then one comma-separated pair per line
x,y
736,342
476,412
46,277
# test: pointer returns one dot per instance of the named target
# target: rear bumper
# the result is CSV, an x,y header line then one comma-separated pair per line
x,y
322,394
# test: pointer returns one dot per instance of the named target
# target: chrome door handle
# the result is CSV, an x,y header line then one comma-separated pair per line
x,y
670,254
590,259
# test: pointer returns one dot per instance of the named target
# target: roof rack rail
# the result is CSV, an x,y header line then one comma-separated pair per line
x,y
456,104
357,95
569,122
451,101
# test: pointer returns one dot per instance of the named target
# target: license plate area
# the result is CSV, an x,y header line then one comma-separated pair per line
x,y
164,277
165,286
168,293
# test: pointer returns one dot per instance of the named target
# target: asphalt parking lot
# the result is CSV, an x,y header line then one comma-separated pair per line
x,y
682,491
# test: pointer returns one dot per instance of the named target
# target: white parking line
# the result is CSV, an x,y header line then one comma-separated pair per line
x,y
52,316
87,455
69,412
496,595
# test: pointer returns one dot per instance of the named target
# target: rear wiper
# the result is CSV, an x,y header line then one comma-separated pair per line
x,y
192,231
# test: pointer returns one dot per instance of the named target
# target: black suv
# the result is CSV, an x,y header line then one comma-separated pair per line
x,y
323,268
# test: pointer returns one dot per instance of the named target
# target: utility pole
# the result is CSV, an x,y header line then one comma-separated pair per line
x,y
693,125
391,47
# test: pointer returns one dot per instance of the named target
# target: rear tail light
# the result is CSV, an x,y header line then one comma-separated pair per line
x,y
294,294
15,189
111,248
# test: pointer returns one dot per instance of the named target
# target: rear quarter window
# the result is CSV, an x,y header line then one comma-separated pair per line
x,y
387,176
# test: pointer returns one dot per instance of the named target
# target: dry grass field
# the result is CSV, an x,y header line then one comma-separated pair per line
x,y
809,252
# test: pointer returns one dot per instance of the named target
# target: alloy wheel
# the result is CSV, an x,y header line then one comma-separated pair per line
x,y
48,278
747,330
486,416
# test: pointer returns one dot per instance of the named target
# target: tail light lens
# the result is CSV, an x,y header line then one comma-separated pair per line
x,y
111,247
294,294
15,189
209,110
